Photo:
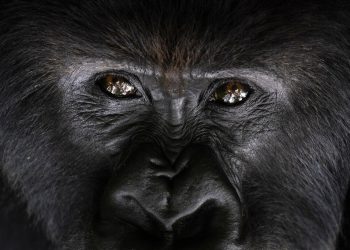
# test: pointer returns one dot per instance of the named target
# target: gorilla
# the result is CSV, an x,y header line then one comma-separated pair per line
x,y
174,125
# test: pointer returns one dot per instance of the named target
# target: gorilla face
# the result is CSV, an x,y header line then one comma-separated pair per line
x,y
174,125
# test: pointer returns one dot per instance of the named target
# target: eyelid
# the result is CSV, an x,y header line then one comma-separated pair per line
x,y
132,79
218,83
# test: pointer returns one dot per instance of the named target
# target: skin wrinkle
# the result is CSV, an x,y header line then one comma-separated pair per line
x,y
276,164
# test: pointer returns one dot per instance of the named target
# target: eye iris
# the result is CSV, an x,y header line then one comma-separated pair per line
x,y
118,86
231,92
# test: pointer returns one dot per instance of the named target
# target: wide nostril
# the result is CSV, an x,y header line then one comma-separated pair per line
x,y
128,210
196,222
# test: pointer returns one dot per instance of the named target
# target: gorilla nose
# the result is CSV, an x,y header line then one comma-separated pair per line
x,y
130,212
171,203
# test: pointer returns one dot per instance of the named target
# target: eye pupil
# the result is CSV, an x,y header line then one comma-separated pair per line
x,y
231,92
118,86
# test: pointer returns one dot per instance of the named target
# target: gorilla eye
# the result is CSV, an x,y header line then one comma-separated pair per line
x,y
117,86
231,92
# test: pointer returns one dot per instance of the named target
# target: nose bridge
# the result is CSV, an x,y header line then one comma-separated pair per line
x,y
176,112
172,100
172,105
173,113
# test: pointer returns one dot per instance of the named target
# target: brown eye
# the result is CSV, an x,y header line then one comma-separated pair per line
x,y
117,86
232,92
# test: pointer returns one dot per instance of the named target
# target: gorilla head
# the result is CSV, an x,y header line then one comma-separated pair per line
x,y
185,125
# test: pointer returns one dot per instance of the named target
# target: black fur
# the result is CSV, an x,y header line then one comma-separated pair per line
x,y
286,150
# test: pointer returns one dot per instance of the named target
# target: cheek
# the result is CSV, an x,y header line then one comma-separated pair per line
x,y
104,125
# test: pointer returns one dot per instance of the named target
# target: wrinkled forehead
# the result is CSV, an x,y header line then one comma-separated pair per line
x,y
172,36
